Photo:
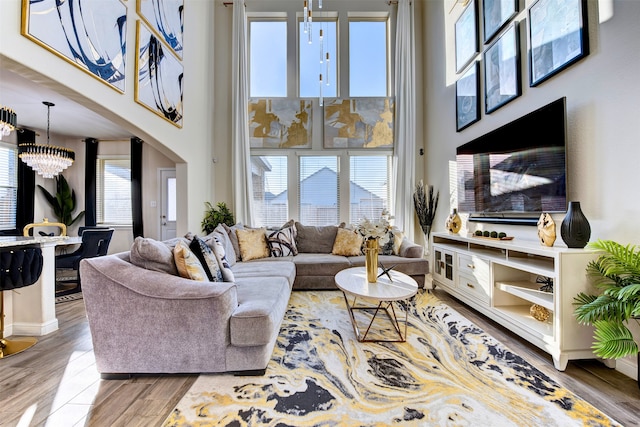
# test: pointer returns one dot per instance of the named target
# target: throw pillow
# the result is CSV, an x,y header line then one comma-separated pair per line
x,y
207,259
393,245
152,255
312,239
282,242
187,263
252,243
229,250
347,243
223,263
231,232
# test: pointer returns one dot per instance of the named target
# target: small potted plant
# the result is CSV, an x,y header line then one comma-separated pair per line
x,y
63,202
214,215
617,276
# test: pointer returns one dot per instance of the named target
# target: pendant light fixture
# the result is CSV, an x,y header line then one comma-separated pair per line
x,y
8,121
47,160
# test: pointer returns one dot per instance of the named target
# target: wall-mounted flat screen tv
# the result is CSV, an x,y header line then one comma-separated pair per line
x,y
519,168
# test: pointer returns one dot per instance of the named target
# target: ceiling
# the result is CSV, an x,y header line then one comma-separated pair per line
x,y
68,118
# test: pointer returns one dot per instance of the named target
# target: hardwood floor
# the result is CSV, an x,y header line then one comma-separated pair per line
x,y
55,382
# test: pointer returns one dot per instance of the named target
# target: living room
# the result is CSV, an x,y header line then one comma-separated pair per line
x,y
600,89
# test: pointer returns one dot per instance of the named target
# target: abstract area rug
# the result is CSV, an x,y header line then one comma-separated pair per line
x,y
449,372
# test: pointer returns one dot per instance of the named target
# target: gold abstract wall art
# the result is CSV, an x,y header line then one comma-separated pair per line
x,y
280,123
359,123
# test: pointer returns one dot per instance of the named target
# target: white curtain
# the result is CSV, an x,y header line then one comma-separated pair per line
x,y
241,156
405,123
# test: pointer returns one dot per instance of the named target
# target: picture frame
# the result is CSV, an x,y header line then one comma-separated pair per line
x,y
165,18
468,97
502,69
466,36
557,37
159,76
91,37
496,14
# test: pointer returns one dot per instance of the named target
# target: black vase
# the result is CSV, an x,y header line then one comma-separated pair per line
x,y
575,229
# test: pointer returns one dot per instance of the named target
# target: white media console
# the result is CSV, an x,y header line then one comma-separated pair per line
x,y
498,278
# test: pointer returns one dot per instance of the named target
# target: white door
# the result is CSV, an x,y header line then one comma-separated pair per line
x,y
167,204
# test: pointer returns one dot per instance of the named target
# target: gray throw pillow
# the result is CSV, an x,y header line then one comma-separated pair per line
x,y
153,255
312,239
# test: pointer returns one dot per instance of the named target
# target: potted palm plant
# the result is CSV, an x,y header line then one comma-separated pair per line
x,y
63,202
214,215
617,276
425,204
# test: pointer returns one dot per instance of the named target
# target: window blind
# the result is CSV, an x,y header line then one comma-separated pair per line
x,y
8,187
113,195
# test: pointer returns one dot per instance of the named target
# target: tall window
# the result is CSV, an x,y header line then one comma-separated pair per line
x,y
319,189
113,195
268,58
8,186
368,54
314,184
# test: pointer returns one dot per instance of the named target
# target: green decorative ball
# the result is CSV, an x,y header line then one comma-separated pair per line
x,y
478,232
494,234
502,234
486,234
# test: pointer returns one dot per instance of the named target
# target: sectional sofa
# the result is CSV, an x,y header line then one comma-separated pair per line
x,y
145,318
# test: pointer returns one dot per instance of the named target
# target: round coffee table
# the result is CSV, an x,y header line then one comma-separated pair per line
x,y
380,296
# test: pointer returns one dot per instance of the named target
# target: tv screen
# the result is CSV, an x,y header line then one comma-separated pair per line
x,y
518,168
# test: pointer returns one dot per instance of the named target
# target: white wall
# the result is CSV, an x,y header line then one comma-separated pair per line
x,y
603,114
189,146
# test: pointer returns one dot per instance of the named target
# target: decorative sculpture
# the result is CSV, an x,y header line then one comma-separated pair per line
x,y
546,229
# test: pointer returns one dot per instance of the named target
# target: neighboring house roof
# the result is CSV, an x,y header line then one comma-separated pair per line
x,y
317,193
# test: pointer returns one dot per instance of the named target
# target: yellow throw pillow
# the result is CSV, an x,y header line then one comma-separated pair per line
x,y
188,264
252,244
347,243
398,236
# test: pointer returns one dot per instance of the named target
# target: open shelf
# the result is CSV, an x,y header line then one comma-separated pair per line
x,y
528,291
520,313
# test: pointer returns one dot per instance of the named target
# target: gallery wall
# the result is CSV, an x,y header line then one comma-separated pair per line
x,y
189,147
602,94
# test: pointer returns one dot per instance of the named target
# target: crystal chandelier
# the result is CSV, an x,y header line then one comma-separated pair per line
x,y
8,121
47,160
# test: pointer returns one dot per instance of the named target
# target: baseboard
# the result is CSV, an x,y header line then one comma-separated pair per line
x,y
628,368
35,329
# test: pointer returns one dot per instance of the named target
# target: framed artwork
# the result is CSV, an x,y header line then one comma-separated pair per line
x,y
496,14
359,123
502,70
280,123
466,35
467,96
165,18
90,35
557,37
159,76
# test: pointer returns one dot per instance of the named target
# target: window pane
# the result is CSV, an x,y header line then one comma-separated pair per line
x,y
368,186
270,195
310,55
113,197
319,190
171,200
8,187
268,59
367,57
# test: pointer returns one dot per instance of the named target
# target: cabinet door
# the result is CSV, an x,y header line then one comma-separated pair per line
x,y
443,269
